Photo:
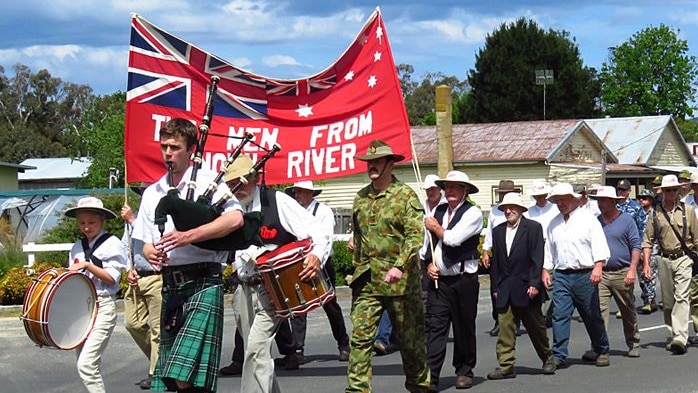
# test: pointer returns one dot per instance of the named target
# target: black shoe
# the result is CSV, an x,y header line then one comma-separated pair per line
x,y
145,383
233,368
494,332
677,347
289,362
693,340
343,355
464,382
560,364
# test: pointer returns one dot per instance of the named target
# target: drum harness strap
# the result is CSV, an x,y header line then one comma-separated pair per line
x,y
89,252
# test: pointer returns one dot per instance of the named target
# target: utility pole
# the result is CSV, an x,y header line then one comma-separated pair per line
x,y
544,77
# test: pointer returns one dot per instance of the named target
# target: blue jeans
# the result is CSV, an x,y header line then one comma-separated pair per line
x,y
573,289
385,329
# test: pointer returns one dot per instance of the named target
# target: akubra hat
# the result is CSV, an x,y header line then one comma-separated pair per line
x,y
512,198
90,204
430,181
507,186
306,185
379,149
239,168
561,189
605,192
457,177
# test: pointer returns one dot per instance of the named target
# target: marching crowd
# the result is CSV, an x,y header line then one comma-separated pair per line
x,y
575,248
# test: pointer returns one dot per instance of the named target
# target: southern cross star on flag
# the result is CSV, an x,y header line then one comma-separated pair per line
x,y
321,122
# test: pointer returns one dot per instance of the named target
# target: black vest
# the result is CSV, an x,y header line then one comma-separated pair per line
x,y
271,231
466,250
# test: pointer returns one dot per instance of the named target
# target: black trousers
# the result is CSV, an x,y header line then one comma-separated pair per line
x,y
292,338
454,304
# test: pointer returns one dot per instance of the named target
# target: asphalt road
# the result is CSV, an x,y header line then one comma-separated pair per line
x,y
26,368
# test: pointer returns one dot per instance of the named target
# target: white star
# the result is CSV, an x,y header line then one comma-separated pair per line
x,y
304,110
349,76
376,56
372,81
379,34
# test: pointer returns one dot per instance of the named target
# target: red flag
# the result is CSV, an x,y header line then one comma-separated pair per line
x,y
321,122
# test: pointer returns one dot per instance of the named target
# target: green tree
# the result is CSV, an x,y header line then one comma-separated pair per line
x,y
102,135
503,81
650,74
37,112
419,96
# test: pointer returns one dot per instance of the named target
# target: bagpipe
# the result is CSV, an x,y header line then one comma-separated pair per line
x,y
188,213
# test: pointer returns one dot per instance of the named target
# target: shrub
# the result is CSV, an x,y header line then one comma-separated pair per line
x,y
15,282
341,259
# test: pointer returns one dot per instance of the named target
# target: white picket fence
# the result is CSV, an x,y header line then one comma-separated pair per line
x,y
32,248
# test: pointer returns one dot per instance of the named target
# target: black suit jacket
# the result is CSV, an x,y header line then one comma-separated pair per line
x,y
511,275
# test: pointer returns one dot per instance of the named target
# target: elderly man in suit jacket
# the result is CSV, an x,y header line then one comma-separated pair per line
x,y
516,269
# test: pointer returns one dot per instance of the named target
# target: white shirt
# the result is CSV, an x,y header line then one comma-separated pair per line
x,y
593,206
298,221
543,215
146,230
690,199
429,212
325,215
510,235
114,261
469,225
576,243
496,217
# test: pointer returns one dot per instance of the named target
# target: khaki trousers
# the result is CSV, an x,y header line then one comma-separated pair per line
x,y
533,320
675,278
142,305
612,285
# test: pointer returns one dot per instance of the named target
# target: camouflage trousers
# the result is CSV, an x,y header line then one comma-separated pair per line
x,y
649,287
408,328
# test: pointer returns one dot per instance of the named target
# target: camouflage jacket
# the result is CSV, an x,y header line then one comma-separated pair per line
x,y
636,212
388,232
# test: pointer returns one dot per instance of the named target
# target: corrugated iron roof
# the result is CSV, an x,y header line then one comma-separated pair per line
x,y
491,142
631,139
55,168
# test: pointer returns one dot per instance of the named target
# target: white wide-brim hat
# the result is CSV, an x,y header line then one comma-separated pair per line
x,y
512,198
306,185
561,189
539,188
605,192
430,181
90,204
669,181
457,177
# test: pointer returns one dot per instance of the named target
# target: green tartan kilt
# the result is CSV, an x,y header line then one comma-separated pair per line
x,y
193,353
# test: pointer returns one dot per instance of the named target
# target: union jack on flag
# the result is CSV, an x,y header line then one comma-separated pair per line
x,y
321,121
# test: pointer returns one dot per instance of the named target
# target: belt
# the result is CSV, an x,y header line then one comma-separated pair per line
x,y
146,273
672,255
615,268
175,275
564,271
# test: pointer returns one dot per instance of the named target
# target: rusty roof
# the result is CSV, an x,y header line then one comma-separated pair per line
x,y
492,142
631,139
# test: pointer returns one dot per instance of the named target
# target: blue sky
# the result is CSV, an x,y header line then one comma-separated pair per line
x,y
86,41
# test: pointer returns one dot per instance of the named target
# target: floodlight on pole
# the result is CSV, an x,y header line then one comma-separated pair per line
x,y
544,77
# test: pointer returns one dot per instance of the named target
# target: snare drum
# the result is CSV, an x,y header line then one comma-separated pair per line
x,y
59,309
291,296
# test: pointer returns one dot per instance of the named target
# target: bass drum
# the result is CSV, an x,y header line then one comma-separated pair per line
x,y
59,309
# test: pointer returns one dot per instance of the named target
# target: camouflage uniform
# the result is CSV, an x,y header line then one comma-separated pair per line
x,y
649,287
388,232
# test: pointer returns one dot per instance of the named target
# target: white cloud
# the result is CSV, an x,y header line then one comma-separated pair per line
x,y
280,60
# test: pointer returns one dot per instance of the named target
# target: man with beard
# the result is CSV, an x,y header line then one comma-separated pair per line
x,y
517,265
455,232
576,250
283,221
387,220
